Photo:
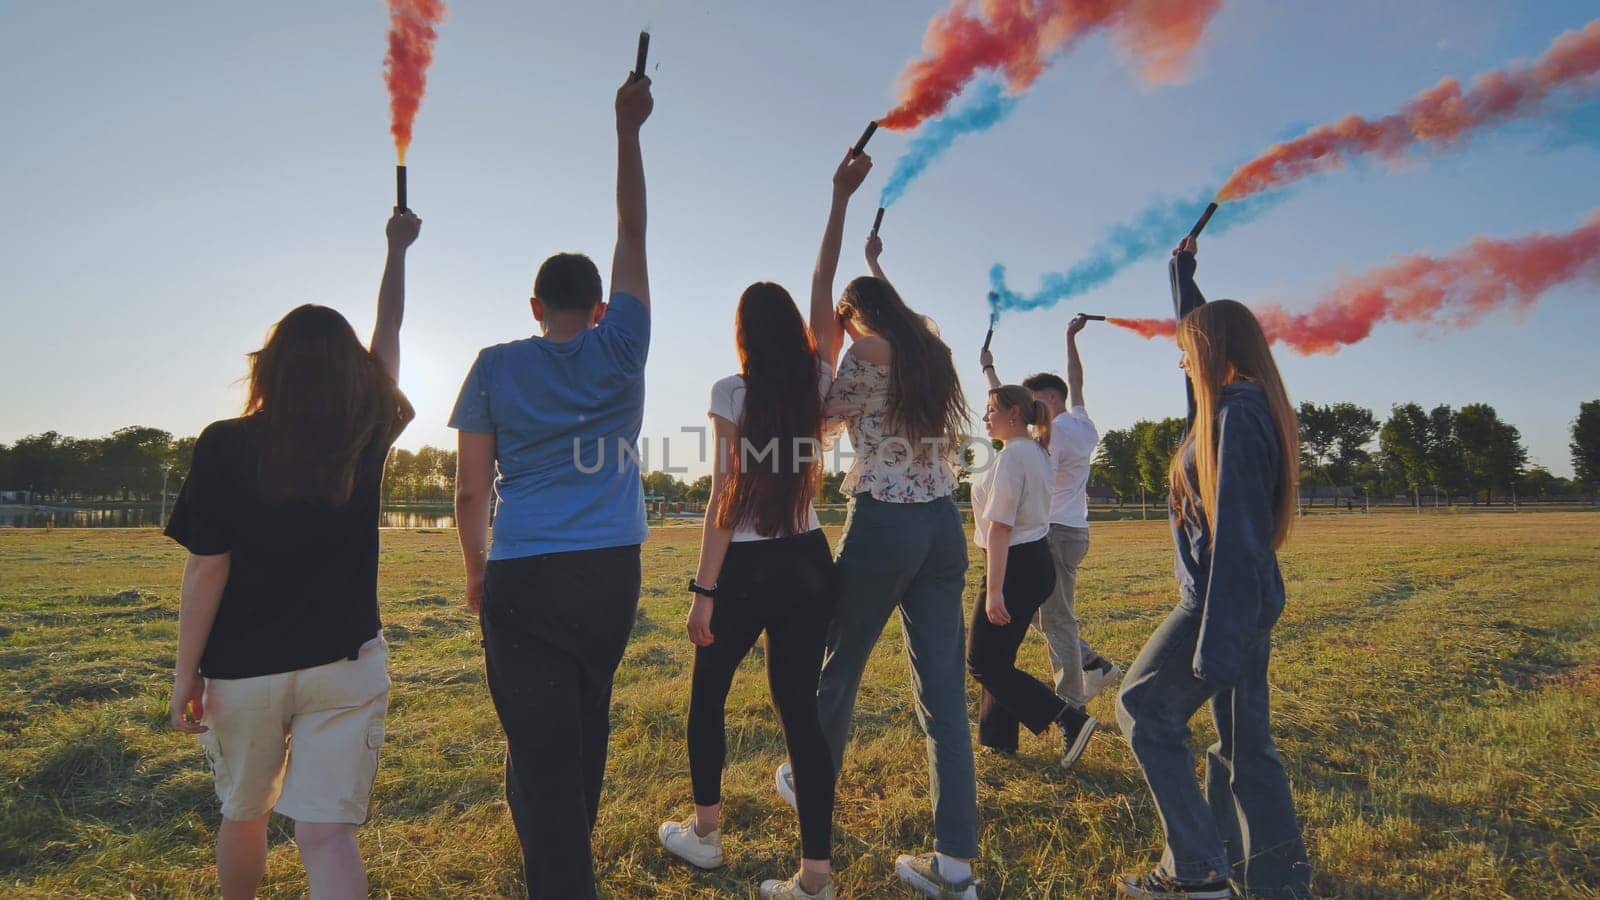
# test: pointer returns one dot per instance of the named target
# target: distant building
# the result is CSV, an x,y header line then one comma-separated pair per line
x,y
1103,495
21,498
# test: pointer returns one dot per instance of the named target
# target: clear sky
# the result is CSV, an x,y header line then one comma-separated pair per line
x,y
178,175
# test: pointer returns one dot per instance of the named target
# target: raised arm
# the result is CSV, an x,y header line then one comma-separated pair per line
x,y
874,250
629,273
402,231
986,359
1186,296
1074,364
825,325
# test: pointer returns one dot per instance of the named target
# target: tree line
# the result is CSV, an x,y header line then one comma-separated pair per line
x,y
1453,453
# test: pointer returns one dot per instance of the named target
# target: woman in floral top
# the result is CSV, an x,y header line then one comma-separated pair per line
x,y
897,395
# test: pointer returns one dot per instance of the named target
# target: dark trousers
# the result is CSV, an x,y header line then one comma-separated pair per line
x,y
1011,695
554,630
785,587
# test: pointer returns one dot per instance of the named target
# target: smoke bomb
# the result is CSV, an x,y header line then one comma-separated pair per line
x,y
1204,218
644,51
400,189
877,221
865,136
1092,318
987,338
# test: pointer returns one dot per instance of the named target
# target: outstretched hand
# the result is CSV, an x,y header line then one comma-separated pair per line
x,y
1076,325
403,228
634,103
852,171
1187,245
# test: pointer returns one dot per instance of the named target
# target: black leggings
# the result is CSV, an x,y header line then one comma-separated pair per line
x,y
1009,694
785,587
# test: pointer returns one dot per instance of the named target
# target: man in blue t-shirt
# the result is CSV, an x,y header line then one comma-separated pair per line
x,y
558,417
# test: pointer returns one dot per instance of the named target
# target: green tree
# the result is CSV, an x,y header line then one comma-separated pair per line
x,y
1156,442
1585,444
700,490
1446,467
664,486
1492,454
1116,462
1405,440
827,488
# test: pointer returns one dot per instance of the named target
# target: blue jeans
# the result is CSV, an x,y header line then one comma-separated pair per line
x,y
1243,826
914,556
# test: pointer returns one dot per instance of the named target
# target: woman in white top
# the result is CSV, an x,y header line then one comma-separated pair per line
x,y
1011,508
765,565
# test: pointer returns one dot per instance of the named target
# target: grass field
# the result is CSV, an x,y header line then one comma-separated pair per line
x,y
1436,689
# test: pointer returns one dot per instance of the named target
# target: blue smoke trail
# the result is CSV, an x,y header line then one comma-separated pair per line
x,y
986,105
1156,230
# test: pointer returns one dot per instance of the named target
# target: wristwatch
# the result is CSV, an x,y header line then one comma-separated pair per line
x,y
696,587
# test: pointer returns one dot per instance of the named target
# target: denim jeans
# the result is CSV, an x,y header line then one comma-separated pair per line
x,y
914,556
1244,825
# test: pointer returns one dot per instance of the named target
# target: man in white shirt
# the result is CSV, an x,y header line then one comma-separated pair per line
x,y
1080,673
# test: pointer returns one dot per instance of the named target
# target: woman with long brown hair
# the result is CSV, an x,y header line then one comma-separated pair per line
x,y
897,395
281,666
1234,479
765,566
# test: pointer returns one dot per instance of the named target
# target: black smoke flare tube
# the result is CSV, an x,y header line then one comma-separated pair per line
x,y
400,189
988,337
865,136
877,220
644,51
1204,218
1092,318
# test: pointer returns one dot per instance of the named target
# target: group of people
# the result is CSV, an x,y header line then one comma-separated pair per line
x,y
281,663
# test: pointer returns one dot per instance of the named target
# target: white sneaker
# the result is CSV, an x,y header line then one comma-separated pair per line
x,y
1095,680
921,874
791,890
784,780
680,839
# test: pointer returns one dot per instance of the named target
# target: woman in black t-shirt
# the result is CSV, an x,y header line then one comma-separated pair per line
x,y
278,632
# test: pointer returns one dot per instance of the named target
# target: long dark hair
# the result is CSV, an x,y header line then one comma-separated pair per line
x,y
323,398
782,411
925,396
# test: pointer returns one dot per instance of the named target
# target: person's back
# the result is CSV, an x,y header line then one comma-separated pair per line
x,y
551,423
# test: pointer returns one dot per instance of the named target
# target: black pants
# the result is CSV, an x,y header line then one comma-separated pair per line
x,y
785,587
554,630
1010,695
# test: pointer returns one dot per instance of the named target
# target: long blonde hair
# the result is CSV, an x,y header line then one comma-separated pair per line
x,y
1034,413
1224,343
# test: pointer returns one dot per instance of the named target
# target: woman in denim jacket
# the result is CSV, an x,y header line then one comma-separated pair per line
x,y
1233,498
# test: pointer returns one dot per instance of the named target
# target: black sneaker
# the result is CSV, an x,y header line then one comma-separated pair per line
x,y
1158,885
1077,727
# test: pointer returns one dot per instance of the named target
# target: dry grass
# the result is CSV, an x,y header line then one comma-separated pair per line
x,y
1436,685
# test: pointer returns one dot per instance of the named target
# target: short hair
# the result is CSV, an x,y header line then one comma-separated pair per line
x,y
568,281
1046,381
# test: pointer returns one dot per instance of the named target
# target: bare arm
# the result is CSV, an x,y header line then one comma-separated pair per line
x,y
1074,364
401,232
995,574
203,580
629,272
474,482
986,359
714,539
824,322
875,250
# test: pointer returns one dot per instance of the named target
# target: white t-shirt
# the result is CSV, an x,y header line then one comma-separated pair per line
x,y
727,401
1072,441
1014,491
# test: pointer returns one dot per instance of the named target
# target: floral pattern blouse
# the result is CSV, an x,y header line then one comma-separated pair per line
x,y
886,465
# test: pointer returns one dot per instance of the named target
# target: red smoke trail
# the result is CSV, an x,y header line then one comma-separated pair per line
x,y
1018,37
1440,115
1454,291
405,69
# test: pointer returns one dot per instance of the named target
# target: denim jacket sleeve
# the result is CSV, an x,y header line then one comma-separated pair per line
x,y
1241,542
1186,298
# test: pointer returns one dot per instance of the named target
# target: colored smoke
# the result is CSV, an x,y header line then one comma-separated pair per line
x,y
1017,38
412,31
1156,230
1451,292
1440,116
987,105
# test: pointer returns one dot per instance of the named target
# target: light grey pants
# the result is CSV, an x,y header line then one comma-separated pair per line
x,y
1057,619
